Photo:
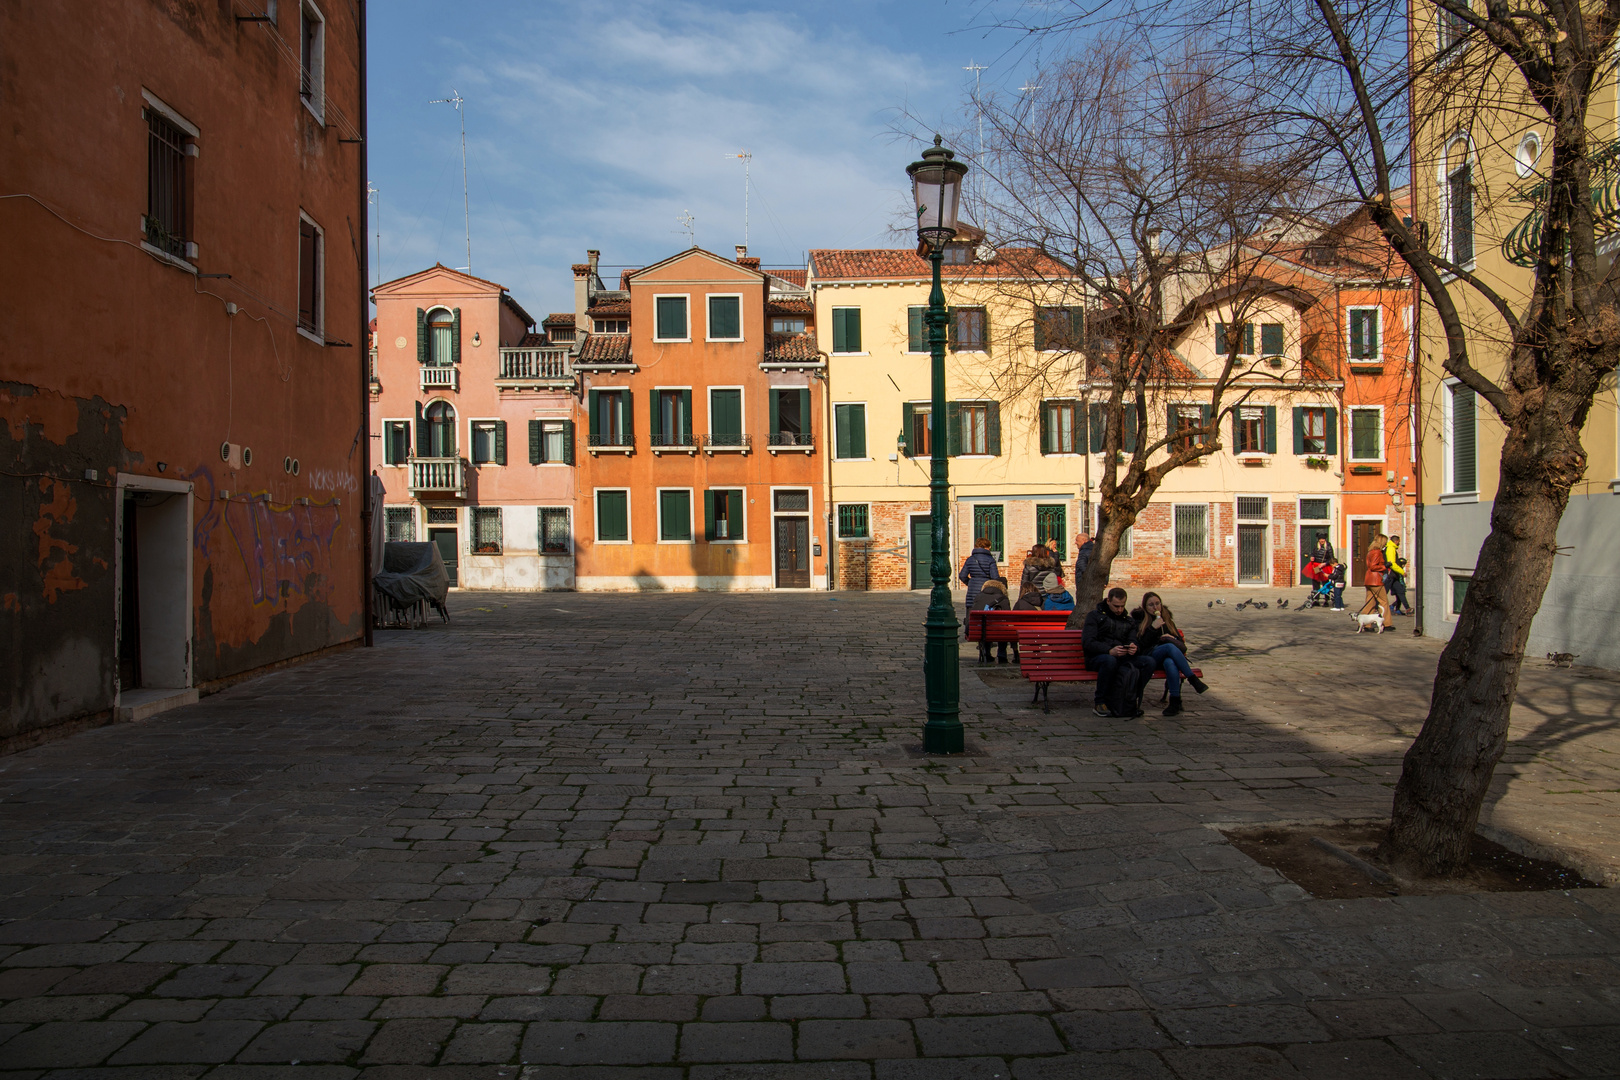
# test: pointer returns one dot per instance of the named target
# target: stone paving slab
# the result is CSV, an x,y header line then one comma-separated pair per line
x,y
557,838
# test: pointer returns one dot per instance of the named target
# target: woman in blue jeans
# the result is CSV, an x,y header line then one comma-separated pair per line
x,y
1158,636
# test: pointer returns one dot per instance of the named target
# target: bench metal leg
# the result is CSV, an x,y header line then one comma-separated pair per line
x,y
1046,697
1036,699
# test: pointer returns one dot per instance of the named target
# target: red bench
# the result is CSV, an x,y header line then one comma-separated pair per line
x,y
1056,656
997,626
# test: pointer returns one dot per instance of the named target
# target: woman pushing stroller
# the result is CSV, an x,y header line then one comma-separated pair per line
x,y
1158,636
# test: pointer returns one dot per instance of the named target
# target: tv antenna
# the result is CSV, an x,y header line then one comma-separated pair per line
x,y
374,197
1028,88
748,163
976,68
458,101
689,223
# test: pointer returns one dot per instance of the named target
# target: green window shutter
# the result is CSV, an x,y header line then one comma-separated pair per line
x,y
655,423
455,336
1299,430
805,427
1271,429
838,329
388,445
500,442
950,328
908,421
857,431
725,412
734,515
612,515
1358,325
852,331
536,443
675,514
1098,425
916,331
776,413
725,317
1128,443
993,430
627,414
686,415
841,445
1271,339
953,428
1041,315
423,448
1332,432
1464,465
1077,327
1248,339
1046,429
708,515
1170,422
670,316
1461,186
592,417
421,336
1220,339
1203,420
1237,432
568,442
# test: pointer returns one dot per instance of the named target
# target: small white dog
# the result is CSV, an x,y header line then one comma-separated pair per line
x,y
1373,623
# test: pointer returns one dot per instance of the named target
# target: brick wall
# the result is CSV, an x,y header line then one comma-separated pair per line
x,y
1153,562
882,563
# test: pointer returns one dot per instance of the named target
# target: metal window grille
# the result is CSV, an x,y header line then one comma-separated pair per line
x,y
792,500
441,515
401,523
167,197
1253,508
486,530
854,521
1315,509
1051,529
554,532
1192,531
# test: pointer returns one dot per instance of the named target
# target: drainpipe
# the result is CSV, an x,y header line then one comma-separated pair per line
x,y
827,452
1415,401
366,509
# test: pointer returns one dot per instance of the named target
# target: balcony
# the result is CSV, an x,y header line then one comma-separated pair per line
x,y
439,476
1523,242
673,442
376,383
622,443
791,442
726,444
441,377
535,369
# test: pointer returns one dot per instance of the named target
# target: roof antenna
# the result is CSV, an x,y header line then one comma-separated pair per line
x,y
748,162
689,223
458,101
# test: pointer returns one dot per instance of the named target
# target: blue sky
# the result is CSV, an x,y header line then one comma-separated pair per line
x,y
596,125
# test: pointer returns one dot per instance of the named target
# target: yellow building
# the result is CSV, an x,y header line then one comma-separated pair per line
x,y
1479,163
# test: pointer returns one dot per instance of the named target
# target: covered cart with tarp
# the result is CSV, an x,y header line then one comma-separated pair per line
x,y
412,579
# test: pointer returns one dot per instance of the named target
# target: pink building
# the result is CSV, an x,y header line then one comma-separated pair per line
x,y
472,421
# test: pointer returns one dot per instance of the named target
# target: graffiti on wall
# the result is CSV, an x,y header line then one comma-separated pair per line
x,y
286,549
57,507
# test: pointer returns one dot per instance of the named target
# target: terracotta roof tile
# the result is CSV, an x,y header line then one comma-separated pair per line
x,y
791,348
750,261
606,349
792,277
559,318
533,341
906,263
624,279
609,309
581,269
789,307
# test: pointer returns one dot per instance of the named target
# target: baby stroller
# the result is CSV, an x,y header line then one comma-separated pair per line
x,y
1321,594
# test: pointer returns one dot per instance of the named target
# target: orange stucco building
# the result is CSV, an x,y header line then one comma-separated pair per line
x,y
182,363
701,400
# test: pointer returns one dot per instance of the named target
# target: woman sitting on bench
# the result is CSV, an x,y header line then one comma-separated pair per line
x,y
1158,636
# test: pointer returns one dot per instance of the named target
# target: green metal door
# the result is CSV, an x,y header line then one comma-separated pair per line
x,y
446,539
1052,529
921,553
987,521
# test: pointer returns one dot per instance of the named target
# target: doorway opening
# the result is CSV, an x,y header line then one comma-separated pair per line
x,y
792,539
154,587
922,552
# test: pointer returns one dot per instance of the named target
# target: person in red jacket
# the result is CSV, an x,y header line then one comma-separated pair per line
x,y
1377,598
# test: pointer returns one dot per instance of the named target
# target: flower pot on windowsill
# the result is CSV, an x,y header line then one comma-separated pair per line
x,y
1316,463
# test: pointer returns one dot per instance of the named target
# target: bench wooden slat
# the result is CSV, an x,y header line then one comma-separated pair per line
x,y
1051,656
1009,626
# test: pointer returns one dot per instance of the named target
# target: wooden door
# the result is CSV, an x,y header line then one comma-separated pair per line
x,y
922,549
1362,533
446,539
793,553
1252,554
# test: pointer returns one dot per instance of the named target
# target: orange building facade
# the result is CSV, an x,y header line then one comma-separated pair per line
x,y
472,429
700,464
183,371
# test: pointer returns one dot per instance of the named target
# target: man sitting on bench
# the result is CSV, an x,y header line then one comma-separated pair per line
x,y
1109,641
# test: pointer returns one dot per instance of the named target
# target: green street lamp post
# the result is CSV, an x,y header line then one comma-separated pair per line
x,y
936,185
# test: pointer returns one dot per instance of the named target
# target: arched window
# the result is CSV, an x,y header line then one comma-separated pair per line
x,y
1457,199
441,336
438,436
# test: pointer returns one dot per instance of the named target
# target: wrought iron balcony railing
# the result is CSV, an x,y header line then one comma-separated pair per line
x,y
621,443
1523,242
791,440
724,443
664,441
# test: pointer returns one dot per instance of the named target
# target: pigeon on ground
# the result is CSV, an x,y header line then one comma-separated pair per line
x,y
1242,604
1282,605
1221,600
1261,605
1212,603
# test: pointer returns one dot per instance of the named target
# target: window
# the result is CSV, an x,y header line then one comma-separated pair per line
x,y
1245,340
1367,434
612,326
486,523
1059,433
958,254
1058,328
723,515
1272,339
921,442
439,335
1460,215
916,330
1527,154
489,442
441,515
671,318
1253,508
672,418
787,325
1188,420
725,318
1314,430
1315,509
396,442
612,516
401,524
854,521
849,431
846,329
1052,529
555,535
725,417
311,266
167,224
1250,430
1460,443
1365,340
1125,541
1459,591
436,437
675,515
975,422
790,416
990,522
551,442
968,330
1451,36
1192,531
610,416
312,58
560,334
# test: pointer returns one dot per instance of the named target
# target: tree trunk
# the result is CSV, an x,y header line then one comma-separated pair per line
x,y
1447,771
1088,591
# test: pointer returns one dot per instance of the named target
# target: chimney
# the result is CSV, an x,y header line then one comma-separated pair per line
x,y
742,252
593,257
1153,240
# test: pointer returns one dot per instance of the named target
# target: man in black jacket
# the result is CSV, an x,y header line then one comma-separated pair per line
x,y
1109,641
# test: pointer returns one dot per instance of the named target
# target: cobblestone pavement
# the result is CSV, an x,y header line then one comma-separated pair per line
x,y
691,837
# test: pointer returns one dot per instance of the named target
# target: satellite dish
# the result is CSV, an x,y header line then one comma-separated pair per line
x,y
984,252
